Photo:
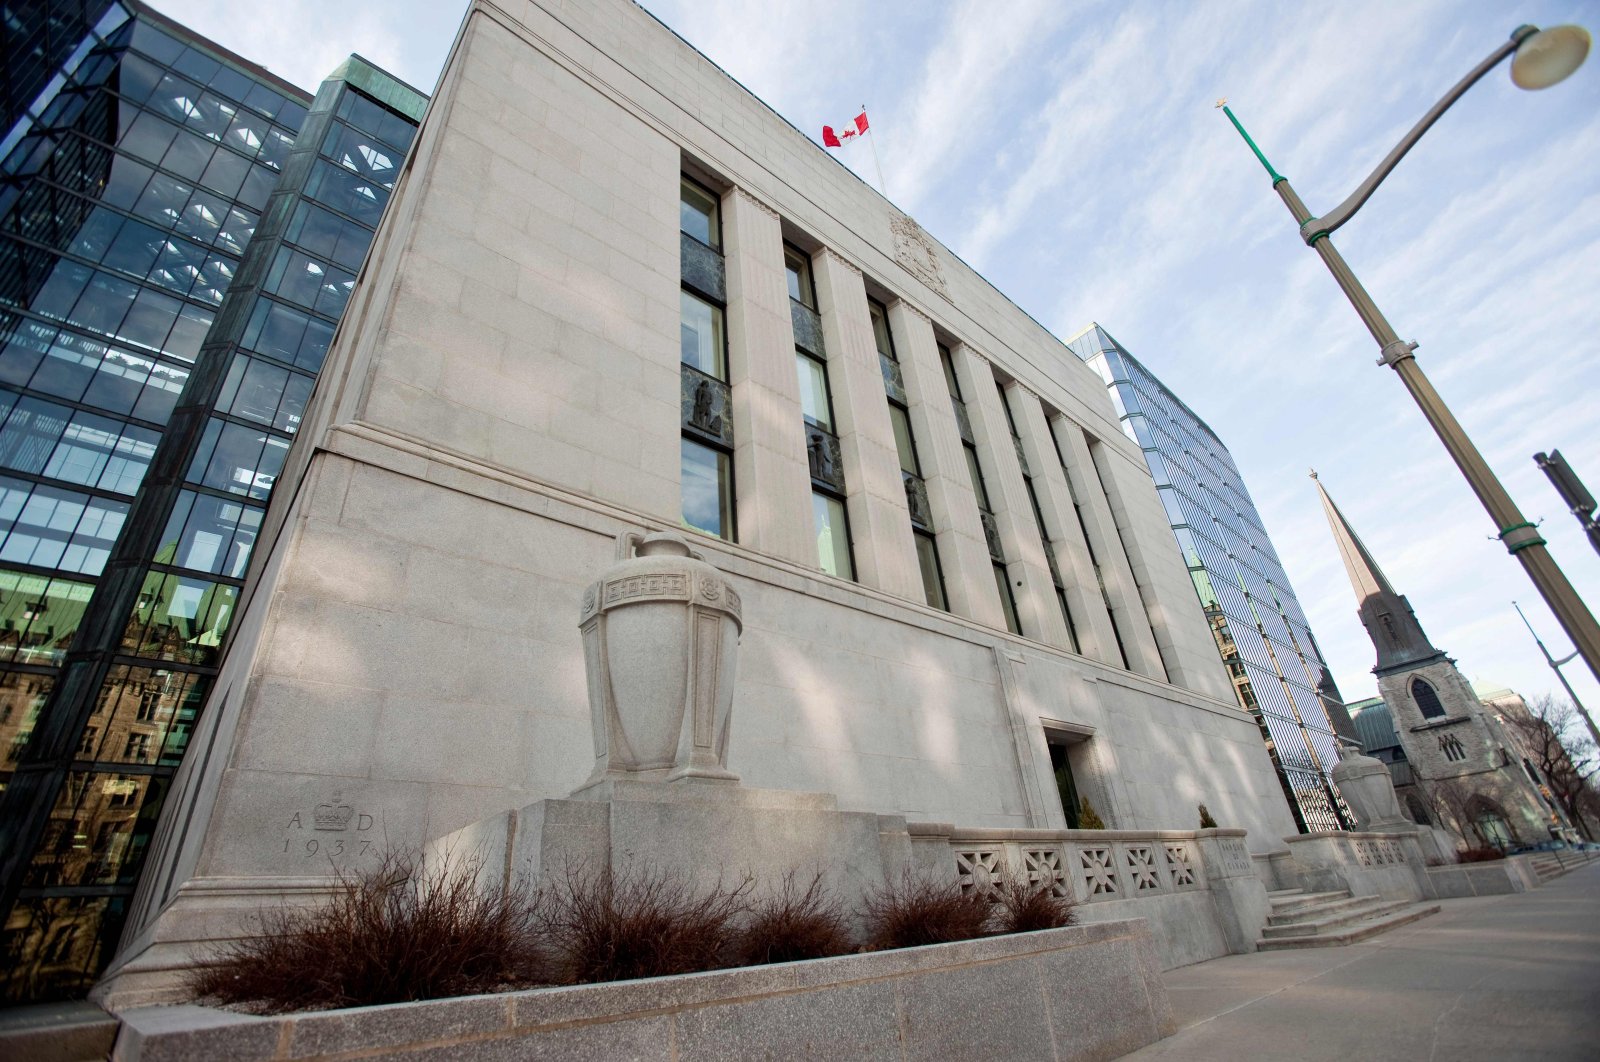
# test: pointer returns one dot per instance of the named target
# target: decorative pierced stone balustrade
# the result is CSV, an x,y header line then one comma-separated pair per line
x,y
1198,888
1085,865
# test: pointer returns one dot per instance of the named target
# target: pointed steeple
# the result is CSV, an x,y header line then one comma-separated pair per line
x,y
1387,615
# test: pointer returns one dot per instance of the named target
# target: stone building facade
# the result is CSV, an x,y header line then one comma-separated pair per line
x,y
1461,761
614,293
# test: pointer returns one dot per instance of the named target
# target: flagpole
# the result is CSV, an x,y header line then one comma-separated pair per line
x,y
875,160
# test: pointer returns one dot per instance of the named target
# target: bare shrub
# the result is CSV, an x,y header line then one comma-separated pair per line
x,y
1481,854
911,911
392,934
1023,907
605,925
791,924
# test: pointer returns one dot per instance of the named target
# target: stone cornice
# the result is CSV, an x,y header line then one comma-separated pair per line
x,y
753,201
841,259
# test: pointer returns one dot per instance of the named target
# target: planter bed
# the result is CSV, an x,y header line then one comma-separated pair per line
x,y
1083,992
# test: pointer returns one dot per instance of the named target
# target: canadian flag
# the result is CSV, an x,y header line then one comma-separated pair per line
x,y
832,139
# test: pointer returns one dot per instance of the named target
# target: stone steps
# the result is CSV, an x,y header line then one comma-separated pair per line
x,y
1326,901
1359,910
1352,933
1288,901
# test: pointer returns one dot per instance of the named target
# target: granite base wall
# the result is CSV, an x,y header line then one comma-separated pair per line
x,y
1084,992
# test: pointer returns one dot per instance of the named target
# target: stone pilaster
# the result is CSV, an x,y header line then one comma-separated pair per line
x,y
1186,646
1026,567
880,523
1093,624
770,473
963,554
1122,590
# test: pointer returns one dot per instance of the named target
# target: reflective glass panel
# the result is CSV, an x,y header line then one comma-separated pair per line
x,y
798,267
907,449
179,618
814,402
701,336
707,489
932,576
1008,602
833,536
697,214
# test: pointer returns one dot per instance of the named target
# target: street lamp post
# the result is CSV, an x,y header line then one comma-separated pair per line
x,y
1542,59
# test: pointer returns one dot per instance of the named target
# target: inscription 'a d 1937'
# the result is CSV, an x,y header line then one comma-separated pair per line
x,y
337,829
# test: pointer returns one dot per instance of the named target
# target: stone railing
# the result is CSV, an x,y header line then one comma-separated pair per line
x,y
1198,888
1390,865
1086,865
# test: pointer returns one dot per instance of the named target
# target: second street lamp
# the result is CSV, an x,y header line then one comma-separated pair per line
x,y
1543,58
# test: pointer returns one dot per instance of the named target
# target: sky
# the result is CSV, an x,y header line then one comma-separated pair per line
x,y
1071,153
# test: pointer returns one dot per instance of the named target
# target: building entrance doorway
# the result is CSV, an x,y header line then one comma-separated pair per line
x,y
1066,787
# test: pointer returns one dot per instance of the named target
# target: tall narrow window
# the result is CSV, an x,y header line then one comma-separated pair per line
x,y
910,469
699,214
1038,517
829,519
991,530
798,268
706,458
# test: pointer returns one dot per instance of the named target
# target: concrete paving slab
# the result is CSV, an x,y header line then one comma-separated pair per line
x,y
1487,978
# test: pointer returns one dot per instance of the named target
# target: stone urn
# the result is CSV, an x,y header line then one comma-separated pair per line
x,y
660,641
1368,787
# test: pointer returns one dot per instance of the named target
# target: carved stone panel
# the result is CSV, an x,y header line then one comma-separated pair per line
x,y
822,453
894,384
917,501
807,328
703,401
703,268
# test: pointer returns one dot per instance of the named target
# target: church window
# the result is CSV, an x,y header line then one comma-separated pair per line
x,y
1452,749
1427,700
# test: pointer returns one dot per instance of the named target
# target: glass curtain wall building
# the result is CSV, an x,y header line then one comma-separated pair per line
x,y
1277,671
179,231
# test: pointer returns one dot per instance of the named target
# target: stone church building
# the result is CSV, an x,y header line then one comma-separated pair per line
x,y
1464,767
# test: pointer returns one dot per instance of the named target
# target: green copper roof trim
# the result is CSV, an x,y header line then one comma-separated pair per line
x,y
1274,173
381,86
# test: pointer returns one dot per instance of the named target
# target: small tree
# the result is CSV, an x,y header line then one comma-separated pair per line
x,y
1552,739
1206,821
1089,818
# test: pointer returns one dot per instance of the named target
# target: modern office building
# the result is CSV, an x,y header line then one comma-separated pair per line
x,y
179,232
1278,673
614,294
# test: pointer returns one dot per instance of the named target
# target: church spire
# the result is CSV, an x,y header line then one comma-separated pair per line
x,y
1387,615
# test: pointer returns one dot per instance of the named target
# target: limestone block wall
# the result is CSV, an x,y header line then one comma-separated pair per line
x,y
502,401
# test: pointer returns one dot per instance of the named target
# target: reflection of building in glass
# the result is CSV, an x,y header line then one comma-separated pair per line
x,y
179,230
1261,632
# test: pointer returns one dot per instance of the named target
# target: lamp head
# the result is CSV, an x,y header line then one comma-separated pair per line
x,y
1549,56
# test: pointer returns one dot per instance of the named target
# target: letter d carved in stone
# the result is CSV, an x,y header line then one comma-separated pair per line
x,y
660,640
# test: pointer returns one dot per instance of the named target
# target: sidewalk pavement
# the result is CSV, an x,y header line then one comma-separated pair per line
x,y
1490,978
